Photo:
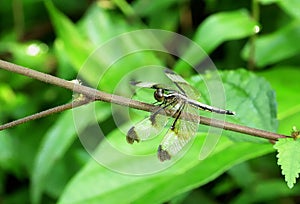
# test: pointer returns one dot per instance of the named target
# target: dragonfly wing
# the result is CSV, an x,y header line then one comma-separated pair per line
x,y
148,127
151,85
177,137
182,85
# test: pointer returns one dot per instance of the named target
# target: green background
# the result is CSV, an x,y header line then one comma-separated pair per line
x,y
43,161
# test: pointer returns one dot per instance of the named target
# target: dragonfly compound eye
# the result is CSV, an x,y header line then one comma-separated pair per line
x,y
159,95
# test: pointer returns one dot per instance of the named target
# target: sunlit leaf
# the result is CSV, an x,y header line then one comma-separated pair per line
x,y
291,7
266,2
289,159
222,27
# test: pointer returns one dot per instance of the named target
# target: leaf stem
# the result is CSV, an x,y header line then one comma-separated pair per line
x,y
96,95
255,16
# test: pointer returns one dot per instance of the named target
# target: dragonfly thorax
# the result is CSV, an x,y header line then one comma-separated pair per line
x,y
159,95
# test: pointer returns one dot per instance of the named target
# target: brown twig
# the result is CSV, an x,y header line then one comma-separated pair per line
x,y
95,95
50,111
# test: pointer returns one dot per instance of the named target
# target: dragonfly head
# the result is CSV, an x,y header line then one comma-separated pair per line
x,y
159,95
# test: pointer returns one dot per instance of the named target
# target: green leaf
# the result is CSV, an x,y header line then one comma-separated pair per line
x,y
254,99
284,80
109,182
266,2
289,159
99,184
279,45
100,25
55,144
250,96
160,14
217,29
118,51
147,8
291,7
260,192
74,42
222,27
8,155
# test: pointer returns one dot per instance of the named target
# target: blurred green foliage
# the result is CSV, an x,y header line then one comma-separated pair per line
x,y
43,161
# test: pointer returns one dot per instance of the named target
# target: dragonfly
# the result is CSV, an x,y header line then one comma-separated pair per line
x,y
182,98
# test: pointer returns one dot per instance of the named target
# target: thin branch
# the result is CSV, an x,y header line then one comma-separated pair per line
x,y
96,95
50,111
91,93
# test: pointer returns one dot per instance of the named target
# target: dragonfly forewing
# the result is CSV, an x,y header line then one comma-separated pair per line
x,y
148,127
183,86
